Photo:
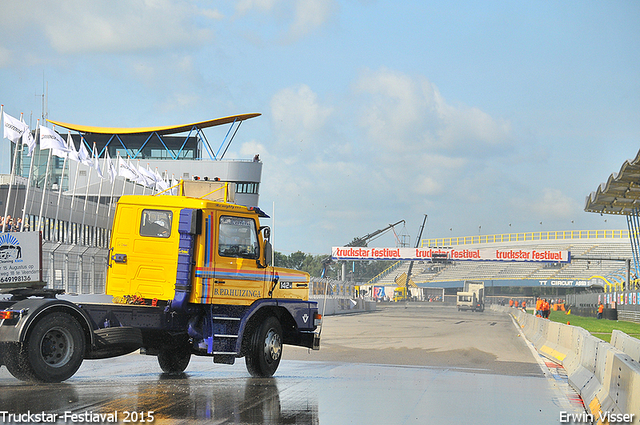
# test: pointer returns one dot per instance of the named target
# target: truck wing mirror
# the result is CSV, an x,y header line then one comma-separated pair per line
x,y
265,253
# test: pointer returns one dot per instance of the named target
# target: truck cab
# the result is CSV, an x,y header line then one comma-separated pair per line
x,y
472,297
226,250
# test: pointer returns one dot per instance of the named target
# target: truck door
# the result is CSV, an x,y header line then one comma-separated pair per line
x,y
143,257
230,274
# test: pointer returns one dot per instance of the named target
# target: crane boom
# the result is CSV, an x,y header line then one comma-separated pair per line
x,y
362,241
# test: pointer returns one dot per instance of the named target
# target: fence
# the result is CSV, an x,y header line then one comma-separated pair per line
x,y
526,237
79,269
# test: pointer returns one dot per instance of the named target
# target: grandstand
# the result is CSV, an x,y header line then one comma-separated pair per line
x,y
598,258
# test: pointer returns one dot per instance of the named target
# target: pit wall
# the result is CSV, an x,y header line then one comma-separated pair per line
x,y
607,376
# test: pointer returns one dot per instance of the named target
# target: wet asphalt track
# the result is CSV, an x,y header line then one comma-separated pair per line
x,y
420,364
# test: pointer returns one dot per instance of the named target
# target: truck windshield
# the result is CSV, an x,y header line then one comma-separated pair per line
x,y
238,237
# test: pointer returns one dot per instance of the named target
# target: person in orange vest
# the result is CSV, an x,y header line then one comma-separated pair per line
x,y
515,303
600,310
511,303
524,306
539,307
545,309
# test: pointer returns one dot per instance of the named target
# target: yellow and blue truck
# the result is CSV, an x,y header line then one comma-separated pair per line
x,y
189,275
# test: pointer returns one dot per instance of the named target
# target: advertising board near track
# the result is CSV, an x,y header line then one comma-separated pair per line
x,y
464,254
19,258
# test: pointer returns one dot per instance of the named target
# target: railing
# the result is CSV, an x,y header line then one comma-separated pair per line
x,y
526,237
385,272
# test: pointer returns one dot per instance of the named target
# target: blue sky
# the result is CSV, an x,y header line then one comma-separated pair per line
x,y
489,117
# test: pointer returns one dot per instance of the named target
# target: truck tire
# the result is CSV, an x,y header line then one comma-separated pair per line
x,y
265,348
52,351
174,360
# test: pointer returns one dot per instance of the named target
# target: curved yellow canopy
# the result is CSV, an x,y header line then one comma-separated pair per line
x,y
171,129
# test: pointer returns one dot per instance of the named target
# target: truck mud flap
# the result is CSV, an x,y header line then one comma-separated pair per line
x,y
116,341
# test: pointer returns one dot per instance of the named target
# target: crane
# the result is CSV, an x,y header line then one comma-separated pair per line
x,y
361,241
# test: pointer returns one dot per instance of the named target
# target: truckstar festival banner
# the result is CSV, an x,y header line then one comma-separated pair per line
x,y
481,254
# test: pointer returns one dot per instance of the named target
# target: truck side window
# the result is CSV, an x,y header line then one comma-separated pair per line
x,y
238,238
156,223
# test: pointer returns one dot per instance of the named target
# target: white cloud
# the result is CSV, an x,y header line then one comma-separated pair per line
x,y
5,57
310,15
554,204
300,17
246,6
405,113
298,117
104,26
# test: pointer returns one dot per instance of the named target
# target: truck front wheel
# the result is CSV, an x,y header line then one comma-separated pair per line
x,y
52,352
174,360
265,348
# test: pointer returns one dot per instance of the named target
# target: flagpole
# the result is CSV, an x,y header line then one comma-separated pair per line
x,y
134,183
6,208
98,203
86,197
73,193
39,152
113,188
112,178
124,179
46,208
144,187
44,190
26,196
13,171
64,167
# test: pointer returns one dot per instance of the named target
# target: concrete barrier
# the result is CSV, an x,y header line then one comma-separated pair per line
x,y
607,376
626,344
343,305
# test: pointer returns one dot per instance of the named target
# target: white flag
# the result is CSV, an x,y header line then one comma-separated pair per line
x,y
149,178
160,183
174,185
126,170
27,139
73,153
96,161
83,154
13,128
49,139
111,169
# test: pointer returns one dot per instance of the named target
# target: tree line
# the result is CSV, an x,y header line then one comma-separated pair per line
x,y
359,271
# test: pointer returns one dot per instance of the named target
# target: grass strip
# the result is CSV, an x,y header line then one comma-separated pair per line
x,y
599,328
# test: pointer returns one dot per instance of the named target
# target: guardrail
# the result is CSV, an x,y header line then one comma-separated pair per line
x,y
607,376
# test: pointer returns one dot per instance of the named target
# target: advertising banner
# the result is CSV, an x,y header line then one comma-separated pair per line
x,y
464,254
19,258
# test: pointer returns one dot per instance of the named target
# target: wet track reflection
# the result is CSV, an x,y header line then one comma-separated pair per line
x,y
218,396
318,390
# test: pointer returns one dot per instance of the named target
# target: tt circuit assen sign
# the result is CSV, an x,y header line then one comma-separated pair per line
x,y
480,254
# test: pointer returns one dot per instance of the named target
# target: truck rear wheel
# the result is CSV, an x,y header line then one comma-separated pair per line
x,y
52,352
265,348
174,359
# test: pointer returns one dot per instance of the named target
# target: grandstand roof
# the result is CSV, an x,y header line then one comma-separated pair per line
x,y
170,129
620,194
